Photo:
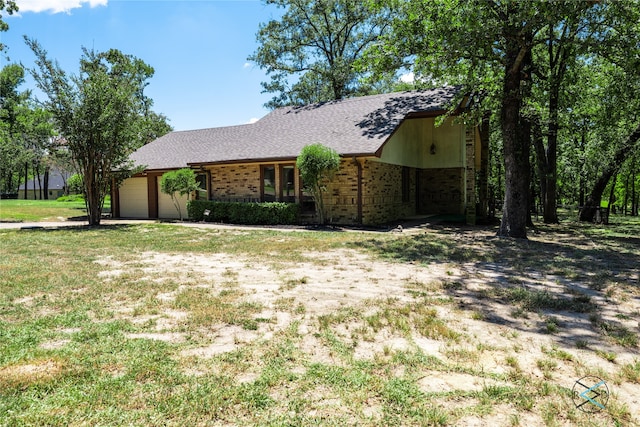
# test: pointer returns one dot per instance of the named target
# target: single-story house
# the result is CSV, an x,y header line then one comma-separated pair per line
x,y
35,188
397,160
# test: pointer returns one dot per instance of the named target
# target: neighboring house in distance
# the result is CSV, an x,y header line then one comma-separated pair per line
x,y
57,185
396,162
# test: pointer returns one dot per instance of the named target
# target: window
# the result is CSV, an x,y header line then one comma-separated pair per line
x,y
202,193
287,184
268,183
277,182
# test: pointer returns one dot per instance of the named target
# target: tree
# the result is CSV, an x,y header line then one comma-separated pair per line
x,y
317,164
179,182
10,7
36,132
618,51
26,136
13,154
629,145
101,112
496,47
487,46
316,44
564,42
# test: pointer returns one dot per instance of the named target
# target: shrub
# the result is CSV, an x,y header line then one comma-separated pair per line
x,y
71,198
317,164
182,182
269,213
75,184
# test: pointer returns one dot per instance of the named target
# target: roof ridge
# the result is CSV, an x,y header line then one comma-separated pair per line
x,y
214,128
368,97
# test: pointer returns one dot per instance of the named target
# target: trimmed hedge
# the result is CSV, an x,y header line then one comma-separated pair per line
x,y
269,213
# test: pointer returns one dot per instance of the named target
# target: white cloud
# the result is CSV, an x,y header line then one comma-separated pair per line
x,y
252,120
246,65
408,78
56,6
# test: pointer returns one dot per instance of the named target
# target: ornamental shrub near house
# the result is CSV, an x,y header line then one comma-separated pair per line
x,y
179,182
317,164
267,213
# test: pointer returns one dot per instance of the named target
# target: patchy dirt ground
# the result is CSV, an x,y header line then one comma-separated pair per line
x,y
509,321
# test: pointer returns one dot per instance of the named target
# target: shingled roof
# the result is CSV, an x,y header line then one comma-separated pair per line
x,y
355,126
57,181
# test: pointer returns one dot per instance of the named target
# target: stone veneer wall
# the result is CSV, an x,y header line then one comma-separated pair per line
x,y
382,193
235,182
440,191
341,198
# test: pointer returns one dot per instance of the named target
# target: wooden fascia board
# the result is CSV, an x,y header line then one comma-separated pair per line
x,y
270,160
243,161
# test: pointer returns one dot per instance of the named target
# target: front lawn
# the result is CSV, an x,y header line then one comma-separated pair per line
x,y
160,324
40,210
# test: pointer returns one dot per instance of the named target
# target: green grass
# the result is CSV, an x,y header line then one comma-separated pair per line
x,y
77,347
39,210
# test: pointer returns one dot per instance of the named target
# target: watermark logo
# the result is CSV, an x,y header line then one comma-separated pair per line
x,y
590,394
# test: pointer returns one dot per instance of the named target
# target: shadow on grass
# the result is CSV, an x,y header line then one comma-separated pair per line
x,y
560,281
77,228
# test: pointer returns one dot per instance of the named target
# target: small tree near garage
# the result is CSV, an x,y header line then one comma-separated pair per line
x,y
317,164
179,183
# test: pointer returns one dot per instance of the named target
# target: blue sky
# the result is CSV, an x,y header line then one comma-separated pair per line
x,y
198,49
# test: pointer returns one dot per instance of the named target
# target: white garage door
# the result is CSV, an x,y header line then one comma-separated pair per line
x,y
166,208
133,198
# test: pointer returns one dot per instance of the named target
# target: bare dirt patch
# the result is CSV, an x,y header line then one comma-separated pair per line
x,y
34,371
514,322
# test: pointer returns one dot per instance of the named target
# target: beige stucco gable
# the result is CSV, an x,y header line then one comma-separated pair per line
x,y
419,143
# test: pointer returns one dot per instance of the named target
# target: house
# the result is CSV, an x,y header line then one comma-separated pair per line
x,y
35,188
397,160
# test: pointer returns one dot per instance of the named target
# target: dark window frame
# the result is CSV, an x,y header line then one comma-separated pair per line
x,y
203,178
291,197
264,196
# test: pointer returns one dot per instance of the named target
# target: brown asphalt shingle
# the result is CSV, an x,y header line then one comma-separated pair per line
x,y
355,126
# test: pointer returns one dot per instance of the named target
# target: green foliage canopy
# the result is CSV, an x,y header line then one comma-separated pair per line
x,y
317,164
25,130
10,7
102,113
315,44
498,48
179,182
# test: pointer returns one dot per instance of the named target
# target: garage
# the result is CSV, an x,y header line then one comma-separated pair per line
x,y
134,200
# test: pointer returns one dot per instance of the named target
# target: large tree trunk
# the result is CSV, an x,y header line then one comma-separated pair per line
x,y
612,196
516,148
634,196
590,208
46,183
26,178
549,204
547,170
93,198
583,184
36,170
625,202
